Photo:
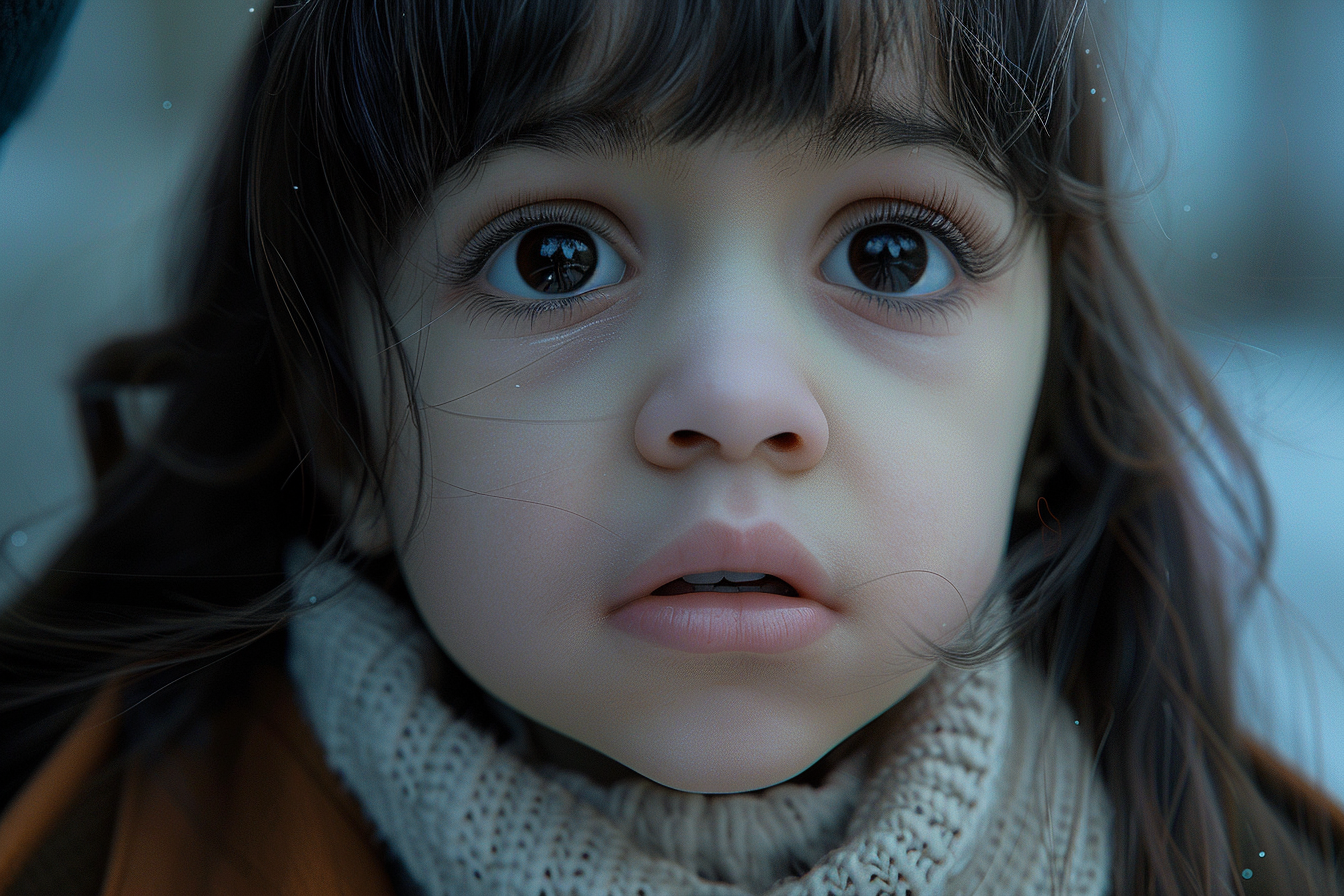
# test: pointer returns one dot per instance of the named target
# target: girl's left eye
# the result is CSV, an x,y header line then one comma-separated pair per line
x,y
890,258
554,259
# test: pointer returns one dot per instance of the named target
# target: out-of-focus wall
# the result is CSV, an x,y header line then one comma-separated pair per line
x,y
1244,235
87,181
1246,97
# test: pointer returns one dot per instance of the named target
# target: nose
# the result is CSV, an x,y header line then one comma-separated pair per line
x,y
737,398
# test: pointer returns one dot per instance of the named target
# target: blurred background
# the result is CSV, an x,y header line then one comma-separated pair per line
x,y
1232,139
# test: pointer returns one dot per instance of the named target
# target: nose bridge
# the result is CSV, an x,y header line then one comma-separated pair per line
x,y
736,373
738,312
738,282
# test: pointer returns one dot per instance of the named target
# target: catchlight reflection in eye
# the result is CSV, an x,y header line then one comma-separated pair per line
x,y
890,259
555,259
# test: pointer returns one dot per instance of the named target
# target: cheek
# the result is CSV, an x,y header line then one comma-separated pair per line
x,y
941,518
482,583
491,527
491,561
940,468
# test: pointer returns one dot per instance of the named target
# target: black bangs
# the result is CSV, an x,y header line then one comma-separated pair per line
x,y
398,92
693,65
478,72
698,66
375,102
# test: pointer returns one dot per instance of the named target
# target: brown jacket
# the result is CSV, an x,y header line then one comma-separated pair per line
x,y
249,808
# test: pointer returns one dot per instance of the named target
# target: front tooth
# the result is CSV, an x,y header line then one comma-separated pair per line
x,y
711,578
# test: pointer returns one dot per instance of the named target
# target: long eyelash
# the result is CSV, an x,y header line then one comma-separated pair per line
x,y
493,236
925,308
494,306
959,225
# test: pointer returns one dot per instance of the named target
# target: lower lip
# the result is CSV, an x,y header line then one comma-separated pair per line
x,y
719,622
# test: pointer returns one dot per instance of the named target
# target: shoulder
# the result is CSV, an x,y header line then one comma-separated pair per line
x,y
245,803
43,845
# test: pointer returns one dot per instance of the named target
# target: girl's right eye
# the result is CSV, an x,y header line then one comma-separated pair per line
x,y
890,258
554,259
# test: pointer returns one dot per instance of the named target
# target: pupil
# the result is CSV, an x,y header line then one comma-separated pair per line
x,y
888,257
556,258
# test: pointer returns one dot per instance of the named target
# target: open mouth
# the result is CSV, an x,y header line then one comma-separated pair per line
x,y
767,585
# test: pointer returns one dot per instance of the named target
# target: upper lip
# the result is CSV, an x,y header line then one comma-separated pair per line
x,y
713,545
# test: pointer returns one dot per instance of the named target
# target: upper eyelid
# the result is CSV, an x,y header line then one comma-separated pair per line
x,y
847,223
965,241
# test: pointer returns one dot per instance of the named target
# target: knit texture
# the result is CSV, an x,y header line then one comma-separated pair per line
x,y
986,787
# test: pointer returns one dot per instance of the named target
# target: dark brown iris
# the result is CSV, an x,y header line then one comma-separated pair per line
x,y
556,258
888,257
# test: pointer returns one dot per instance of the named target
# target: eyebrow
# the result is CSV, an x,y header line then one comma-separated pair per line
x,y
848,134
865,130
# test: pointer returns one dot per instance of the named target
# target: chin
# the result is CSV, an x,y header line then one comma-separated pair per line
x,y
709,777
723,761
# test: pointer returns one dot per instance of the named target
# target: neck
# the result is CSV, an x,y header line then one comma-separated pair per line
x,y
567,753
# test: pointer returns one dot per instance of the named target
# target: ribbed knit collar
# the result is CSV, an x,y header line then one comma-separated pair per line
x,y
985,786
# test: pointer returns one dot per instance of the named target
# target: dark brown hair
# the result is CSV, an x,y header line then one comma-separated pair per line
x,y
352,111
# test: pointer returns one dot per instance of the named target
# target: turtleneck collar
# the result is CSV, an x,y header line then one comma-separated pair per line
x,y
979,780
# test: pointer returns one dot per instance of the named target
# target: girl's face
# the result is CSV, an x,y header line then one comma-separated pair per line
x,y
618,345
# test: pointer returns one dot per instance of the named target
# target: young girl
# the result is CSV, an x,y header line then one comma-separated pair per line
x,y
665,447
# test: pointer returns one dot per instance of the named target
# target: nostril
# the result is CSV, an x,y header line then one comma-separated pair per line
x,y
685,438
784,441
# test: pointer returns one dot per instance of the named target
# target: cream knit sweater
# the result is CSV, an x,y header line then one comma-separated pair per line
x,y
986,787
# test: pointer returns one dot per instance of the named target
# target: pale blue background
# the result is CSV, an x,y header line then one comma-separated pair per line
x,y
1245,95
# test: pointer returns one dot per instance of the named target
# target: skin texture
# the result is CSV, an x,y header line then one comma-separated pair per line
x,y
552,468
